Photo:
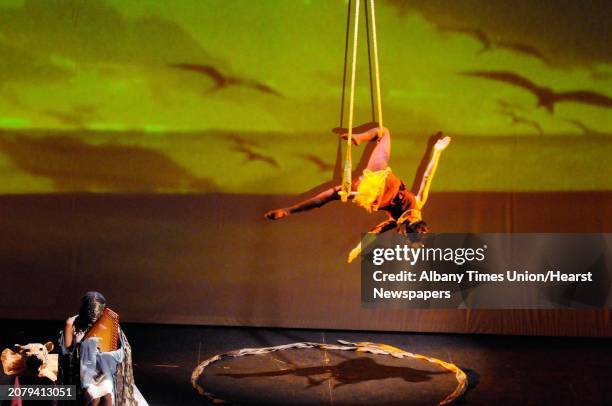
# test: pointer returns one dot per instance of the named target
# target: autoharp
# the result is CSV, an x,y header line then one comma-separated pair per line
x,y
107,328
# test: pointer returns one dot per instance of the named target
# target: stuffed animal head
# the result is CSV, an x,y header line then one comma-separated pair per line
x,y
30,360
35,355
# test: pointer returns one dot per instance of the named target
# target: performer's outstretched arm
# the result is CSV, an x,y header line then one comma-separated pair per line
x,y
309,204
380,228
423,193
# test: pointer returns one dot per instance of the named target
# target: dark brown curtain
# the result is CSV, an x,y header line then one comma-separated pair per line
x,y
213,259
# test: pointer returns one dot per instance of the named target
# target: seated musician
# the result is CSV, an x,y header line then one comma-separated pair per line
x,y
101,377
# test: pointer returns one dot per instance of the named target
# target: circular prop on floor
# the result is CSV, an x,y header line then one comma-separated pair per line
x,y
313,373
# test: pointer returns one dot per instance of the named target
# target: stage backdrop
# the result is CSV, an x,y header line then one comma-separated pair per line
x,y
141,142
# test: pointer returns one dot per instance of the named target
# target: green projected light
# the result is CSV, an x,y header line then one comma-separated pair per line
x,y
239,97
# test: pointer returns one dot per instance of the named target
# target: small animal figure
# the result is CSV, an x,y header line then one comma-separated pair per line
x,y
31,360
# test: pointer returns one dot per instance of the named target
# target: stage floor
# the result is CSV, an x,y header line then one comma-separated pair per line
x,y
502,369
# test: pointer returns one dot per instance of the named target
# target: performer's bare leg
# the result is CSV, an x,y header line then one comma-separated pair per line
x,y
379,159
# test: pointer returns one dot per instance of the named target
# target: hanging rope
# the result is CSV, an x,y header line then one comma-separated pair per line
x,y
370,68
348,166
347,177
377,71
346,49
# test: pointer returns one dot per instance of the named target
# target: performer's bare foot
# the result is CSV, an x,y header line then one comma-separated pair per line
x,y
442,143
276,214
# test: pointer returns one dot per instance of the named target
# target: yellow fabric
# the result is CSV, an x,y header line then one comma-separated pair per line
x,y
371,188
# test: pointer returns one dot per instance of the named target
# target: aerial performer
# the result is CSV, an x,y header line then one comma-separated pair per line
x,y
378,188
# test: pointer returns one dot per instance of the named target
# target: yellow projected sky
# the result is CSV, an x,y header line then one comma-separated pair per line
x,y
151,75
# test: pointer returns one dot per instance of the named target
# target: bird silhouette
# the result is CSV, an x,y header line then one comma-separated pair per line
x,y
524,49
488,44
522,120
582,127
478,35
252,156
223,81
238,140
321,164
506,105
546,96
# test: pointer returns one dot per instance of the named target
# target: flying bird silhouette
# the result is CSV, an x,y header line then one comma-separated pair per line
x,y
488,44
582,127
477,34
524,49
506,105
546,96
222,81
321,164
252,156
522,120
238,140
